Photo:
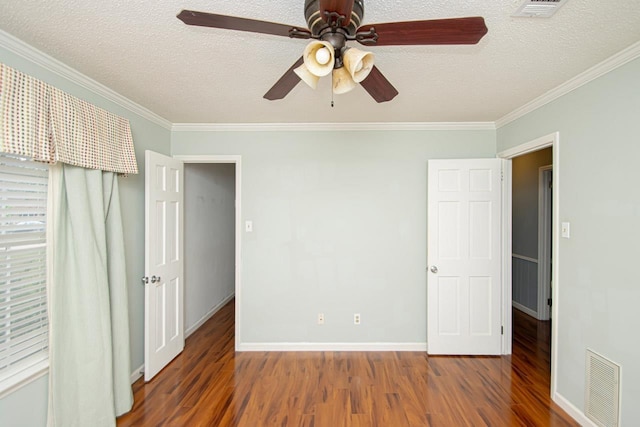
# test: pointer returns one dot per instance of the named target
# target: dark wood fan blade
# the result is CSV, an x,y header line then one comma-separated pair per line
x,y
287,82
341,7
436,31
203,19
378,86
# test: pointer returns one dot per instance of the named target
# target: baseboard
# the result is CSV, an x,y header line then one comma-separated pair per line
x,y
574,412
525,309
325,346
137,373
207,316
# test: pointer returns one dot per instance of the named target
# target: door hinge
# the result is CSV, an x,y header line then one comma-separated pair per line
x,y
501,330
501,176
549,302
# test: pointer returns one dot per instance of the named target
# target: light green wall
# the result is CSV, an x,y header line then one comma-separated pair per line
x,y
599,291
146,135
339,227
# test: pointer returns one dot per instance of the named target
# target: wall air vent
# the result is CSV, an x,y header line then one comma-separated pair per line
x,y
602,395
538,8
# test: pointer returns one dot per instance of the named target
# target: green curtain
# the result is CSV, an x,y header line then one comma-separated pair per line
x,y
89,365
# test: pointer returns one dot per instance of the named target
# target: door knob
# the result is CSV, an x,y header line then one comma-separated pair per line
x,y
145,280
433,269
155,279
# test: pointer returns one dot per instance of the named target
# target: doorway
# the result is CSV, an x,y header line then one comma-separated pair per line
x,y
508,156
213,187
531,232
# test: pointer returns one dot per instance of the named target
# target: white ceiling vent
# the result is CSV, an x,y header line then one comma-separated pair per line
x,y
602,396
539,8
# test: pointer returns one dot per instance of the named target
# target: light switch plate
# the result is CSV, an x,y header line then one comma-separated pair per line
x,y
248,226
566,230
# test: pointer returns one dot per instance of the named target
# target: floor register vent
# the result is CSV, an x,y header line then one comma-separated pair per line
x,y
602,398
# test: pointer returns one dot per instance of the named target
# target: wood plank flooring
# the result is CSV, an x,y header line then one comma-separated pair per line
x,y
211,385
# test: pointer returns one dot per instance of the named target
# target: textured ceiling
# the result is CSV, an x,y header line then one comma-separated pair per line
x,y
200,75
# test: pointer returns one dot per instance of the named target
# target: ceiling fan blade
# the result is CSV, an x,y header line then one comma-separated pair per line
x,y
436,31
341,7
203,19
287,82
378,86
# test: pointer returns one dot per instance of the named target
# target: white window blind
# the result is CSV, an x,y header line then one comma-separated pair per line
x,y
23,298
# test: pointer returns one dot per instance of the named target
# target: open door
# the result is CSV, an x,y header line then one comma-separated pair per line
x,y
164,264
464,256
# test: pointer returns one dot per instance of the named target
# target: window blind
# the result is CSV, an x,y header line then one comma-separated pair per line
x,y
23,298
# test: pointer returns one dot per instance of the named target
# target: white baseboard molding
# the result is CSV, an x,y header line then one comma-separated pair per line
x,y
207,316
574,412
331,346
524,309
137,373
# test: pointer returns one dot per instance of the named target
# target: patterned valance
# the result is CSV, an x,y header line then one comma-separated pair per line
x,y
42,122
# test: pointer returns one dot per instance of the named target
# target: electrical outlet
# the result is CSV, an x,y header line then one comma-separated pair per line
x,y
356,319
320,319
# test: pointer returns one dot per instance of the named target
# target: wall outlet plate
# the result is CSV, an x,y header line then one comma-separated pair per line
x,y
356,319
320,318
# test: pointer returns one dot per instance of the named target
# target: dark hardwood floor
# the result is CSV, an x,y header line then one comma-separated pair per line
x,y
211,385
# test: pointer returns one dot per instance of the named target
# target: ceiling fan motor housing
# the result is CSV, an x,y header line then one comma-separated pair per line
x,y
317,23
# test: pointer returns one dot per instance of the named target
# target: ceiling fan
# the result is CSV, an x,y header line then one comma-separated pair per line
x,y
332,23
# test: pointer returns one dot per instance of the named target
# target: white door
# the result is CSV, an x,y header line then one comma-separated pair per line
x,y
164,264
464,257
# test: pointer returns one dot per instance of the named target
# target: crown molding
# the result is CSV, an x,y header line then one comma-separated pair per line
x,y
316,127
606,66
30,53
53,65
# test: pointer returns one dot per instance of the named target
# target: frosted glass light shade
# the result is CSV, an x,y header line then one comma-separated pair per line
x,y
306,76
342,81
359,63
312,64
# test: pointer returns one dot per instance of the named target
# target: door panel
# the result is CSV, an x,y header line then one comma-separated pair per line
x,y
463,286
164,197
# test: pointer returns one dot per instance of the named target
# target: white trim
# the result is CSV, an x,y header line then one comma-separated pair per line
x,y
207,316
524,309
544,240
30,53
316,127
604,67
22,378
328,346
207,158
507,291
238,257
137,373
552,139
524,258
528,147
573,412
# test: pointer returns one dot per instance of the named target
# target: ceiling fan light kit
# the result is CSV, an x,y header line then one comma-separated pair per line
x,y
331,24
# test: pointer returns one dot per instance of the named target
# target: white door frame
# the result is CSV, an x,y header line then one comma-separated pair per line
x,y
551,140
237,160
544,240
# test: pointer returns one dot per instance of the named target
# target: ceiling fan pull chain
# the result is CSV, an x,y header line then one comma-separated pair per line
x,y
331,90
